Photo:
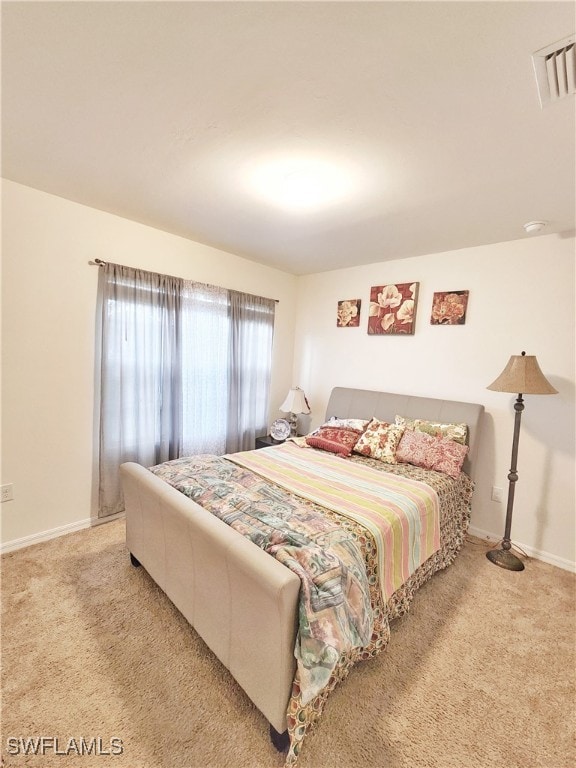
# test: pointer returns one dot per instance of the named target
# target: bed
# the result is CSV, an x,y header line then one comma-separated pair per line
x,y
247,605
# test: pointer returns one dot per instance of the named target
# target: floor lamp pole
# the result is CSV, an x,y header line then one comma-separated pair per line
x,y
504,557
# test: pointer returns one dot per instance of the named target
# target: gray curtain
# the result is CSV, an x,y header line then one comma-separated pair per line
x,y
205,342
140,374
250,361
184,369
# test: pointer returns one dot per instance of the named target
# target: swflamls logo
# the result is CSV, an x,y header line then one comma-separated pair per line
x,y
53,745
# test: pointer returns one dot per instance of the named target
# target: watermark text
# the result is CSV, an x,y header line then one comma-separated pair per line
x,y
54,745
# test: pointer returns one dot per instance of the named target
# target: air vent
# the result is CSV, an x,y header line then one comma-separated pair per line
x,y
555,68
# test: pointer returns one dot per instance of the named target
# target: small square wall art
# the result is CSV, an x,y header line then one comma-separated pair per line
x,y
348,313
393,308
449,308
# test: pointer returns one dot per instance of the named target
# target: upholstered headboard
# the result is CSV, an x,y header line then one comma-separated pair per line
x,y
364,404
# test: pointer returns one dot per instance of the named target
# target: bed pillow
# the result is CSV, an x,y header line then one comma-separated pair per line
x,y
334,439
360,424
456,432
379,441
440,453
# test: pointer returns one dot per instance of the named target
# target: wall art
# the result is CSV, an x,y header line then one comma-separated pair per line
x,y
449,308
348,313
393,308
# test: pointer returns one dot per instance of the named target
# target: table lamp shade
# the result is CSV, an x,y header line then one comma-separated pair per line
x,y
295,402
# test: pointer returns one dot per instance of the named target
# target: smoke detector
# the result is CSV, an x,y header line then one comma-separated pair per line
x,y
555,70
534,226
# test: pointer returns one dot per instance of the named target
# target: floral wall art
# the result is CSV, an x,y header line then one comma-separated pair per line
x,y
449,308
393,308
348,313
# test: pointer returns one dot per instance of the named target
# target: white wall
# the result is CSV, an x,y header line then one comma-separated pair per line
x,y
521,298
48,326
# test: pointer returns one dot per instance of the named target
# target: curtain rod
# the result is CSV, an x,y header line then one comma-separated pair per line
x,y
100,263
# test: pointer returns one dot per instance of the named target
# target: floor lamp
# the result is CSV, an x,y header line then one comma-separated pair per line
x,y
522,375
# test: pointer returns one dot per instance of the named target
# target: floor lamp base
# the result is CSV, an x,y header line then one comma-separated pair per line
x,y
505,559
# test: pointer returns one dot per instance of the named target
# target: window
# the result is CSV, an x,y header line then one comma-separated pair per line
x,y
184,369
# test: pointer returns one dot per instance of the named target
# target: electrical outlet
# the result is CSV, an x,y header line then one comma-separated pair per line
x,y
6,492
497,494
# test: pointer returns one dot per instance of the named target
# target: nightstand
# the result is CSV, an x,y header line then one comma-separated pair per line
x,y
267,441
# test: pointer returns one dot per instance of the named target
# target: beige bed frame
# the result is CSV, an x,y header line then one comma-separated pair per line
x,y
240,600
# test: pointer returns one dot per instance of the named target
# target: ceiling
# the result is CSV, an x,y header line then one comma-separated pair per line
x,y
415,127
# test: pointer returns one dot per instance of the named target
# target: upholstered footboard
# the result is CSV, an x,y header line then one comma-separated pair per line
x,y
242,602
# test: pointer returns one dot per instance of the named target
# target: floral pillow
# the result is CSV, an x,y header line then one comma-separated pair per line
x,y
360,424
334,439
379,441
440,453
456,432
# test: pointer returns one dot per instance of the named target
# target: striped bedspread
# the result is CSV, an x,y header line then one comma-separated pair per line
x,y
402,514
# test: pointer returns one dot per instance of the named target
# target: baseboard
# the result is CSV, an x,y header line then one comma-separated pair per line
x,y
53,533
90,522
538,554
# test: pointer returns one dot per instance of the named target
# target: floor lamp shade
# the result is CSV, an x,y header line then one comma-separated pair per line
x,y
522,375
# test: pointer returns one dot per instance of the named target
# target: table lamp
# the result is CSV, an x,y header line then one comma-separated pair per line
x,y
294,404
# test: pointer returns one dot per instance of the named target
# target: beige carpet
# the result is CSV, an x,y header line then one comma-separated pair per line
x,y
480,673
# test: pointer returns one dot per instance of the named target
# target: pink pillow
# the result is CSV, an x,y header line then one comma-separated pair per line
x,y
334,439
439,453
